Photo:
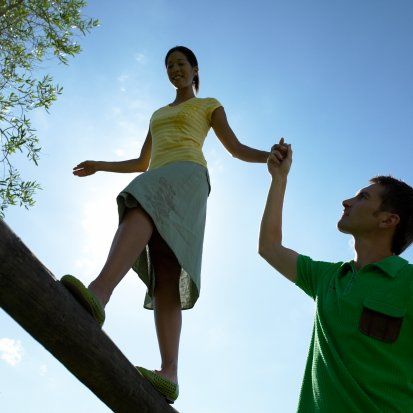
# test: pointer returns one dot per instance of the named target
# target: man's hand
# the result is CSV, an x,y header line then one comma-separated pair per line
x,y
283,259
85,168
280,159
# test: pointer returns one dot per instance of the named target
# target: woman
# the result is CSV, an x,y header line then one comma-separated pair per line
x,y
162,213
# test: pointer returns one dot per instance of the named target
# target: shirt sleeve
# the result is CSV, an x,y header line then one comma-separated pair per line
x,y
312,275
211,105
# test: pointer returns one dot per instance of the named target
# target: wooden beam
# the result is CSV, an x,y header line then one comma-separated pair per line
x,y
32,296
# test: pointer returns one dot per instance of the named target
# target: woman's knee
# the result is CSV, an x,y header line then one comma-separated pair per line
x,y
167,274
137,216
166,267
137,211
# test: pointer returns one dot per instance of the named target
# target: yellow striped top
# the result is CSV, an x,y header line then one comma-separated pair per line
x,y
178,132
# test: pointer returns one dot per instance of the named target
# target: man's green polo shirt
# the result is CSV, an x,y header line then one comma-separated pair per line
x,y
361,352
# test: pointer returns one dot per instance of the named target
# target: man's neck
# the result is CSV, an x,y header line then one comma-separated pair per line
x,y
369,250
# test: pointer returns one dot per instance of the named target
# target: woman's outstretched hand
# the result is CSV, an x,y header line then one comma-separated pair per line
x,y
280,159
85,168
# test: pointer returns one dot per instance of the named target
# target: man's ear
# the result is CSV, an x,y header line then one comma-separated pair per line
x,y
389,220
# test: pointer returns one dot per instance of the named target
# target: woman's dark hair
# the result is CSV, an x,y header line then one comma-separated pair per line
x,y
397,198
189,54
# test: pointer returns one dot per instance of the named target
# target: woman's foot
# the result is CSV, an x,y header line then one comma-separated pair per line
x,y
101,294
85,297
168,374
166,387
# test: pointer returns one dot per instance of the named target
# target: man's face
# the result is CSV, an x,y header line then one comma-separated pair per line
x,y
361,213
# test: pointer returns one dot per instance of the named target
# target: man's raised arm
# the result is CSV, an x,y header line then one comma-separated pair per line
x,y
270,247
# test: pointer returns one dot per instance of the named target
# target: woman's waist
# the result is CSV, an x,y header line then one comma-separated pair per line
x,y
181,151
167,157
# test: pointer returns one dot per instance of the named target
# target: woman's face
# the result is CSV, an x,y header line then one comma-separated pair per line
x,y
180,72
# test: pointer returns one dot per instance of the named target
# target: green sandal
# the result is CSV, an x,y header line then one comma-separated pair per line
x,y
167,388
84,297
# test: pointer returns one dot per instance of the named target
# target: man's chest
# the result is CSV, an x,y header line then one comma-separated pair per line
x,y
359,305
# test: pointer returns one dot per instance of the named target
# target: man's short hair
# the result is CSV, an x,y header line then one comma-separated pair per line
x,y
397,198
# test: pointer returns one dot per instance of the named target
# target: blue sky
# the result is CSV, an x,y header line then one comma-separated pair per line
x,y
333,77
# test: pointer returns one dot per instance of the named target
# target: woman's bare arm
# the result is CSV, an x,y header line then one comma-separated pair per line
x,y
140,164
225,134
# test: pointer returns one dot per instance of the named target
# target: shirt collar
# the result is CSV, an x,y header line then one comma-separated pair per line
x,y
390,266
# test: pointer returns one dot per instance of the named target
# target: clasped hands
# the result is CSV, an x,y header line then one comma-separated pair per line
x,y
280,159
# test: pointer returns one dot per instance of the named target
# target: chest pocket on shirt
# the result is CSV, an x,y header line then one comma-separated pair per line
x,y
381,320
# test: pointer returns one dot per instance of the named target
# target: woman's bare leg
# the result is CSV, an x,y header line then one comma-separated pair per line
x,y
132,235
167,305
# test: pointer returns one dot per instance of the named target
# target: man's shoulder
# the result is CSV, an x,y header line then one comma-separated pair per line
x,y
405,267
314,276
323,266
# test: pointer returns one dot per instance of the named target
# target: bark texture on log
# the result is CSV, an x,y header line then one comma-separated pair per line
x,y
32,296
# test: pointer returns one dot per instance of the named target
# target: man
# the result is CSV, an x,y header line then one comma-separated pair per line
x,y
361,351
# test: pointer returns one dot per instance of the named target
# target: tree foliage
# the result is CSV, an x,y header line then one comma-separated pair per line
x,y
31,31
